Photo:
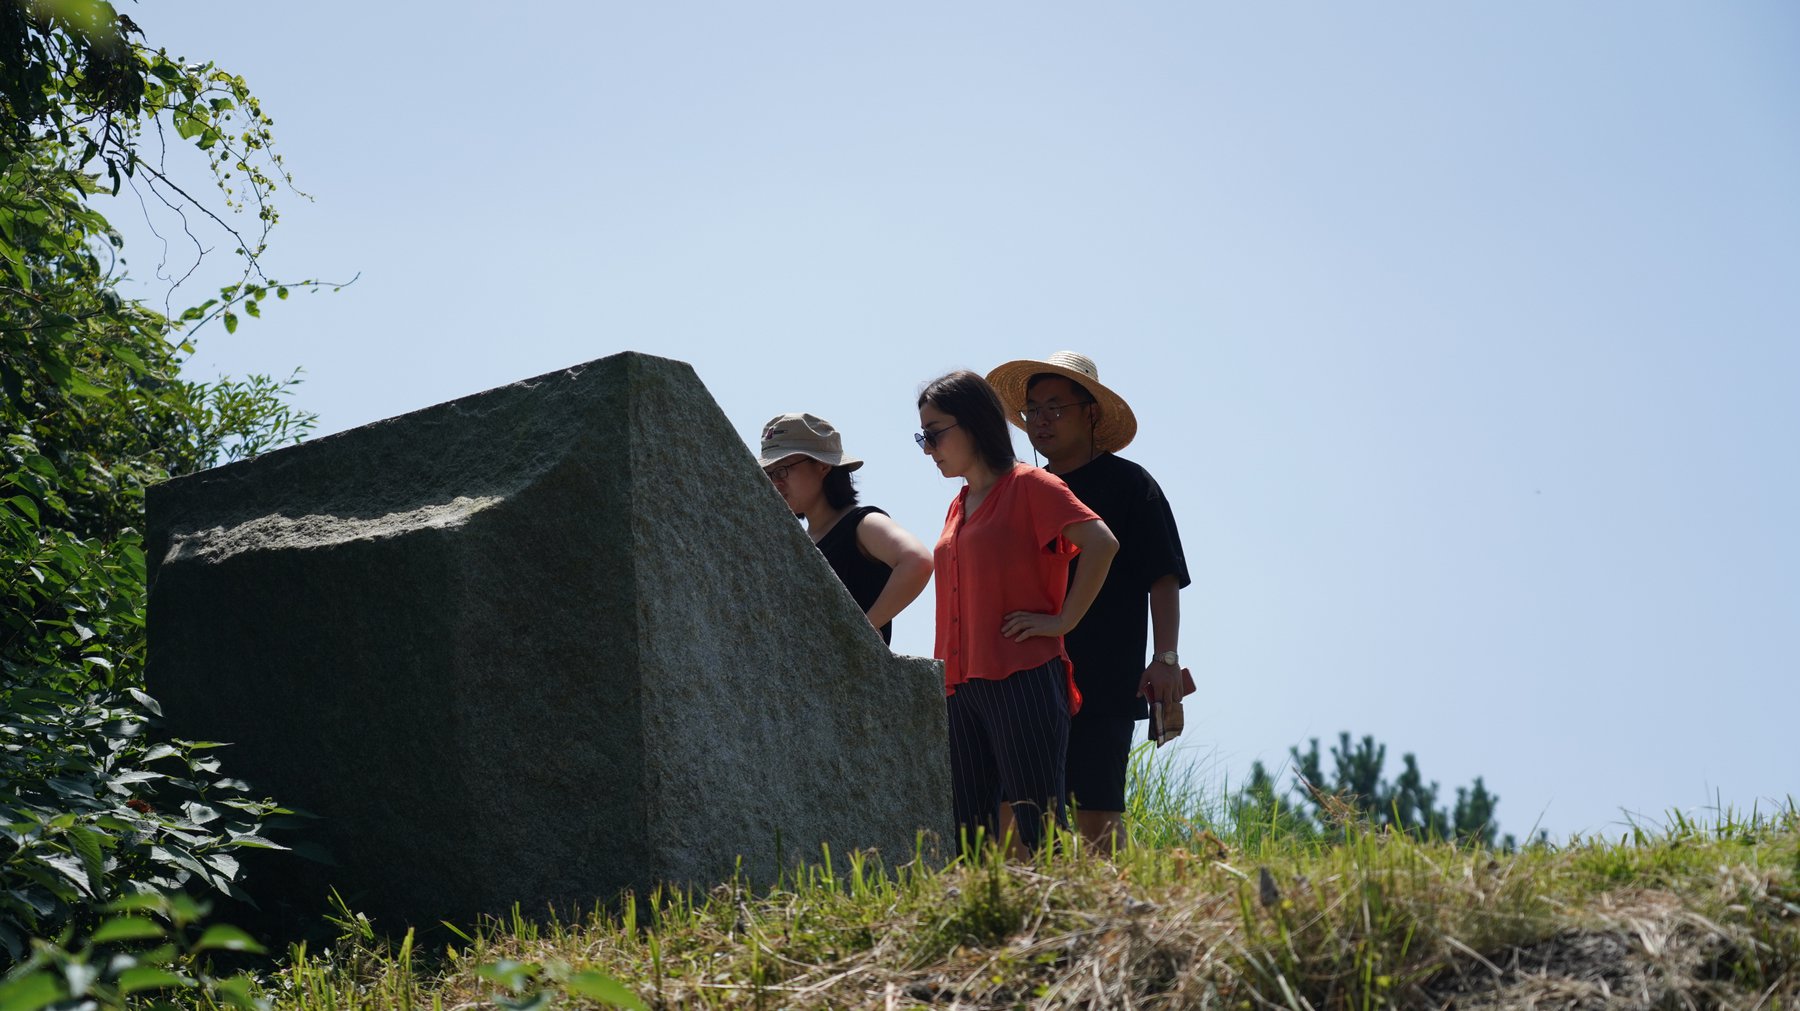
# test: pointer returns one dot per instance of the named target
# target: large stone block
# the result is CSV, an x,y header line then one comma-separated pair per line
x,y
536,645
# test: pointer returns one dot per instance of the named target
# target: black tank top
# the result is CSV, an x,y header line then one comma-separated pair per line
x,y
863,576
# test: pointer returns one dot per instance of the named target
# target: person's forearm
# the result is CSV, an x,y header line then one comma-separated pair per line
x,y
904,585
1089,577
1165,615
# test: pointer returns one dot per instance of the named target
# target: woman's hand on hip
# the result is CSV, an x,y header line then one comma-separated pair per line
x,y
1022,625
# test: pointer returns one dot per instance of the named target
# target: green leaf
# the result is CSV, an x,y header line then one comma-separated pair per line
x,y
183,909
239,995
34,900
30,993
189,125
149,704
137,776
134,903
602,987
132,359
127,928
25,506
231,322
79,385
71,868
200,813
224,937
20,272
226,864
87,844
172,854
508,973
149,977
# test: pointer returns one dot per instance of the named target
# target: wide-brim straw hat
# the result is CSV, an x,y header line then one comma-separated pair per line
x,y
806,435
1116,427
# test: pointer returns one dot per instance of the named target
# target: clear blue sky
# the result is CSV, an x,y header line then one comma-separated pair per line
x,y
1464,339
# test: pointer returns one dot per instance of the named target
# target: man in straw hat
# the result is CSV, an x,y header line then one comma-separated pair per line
x,y
1078,423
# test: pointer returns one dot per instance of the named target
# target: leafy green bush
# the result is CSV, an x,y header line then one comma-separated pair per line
x,y
94,812
151,944
92,410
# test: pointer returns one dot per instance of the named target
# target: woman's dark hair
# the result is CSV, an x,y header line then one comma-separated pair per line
x,y
840,493
969,399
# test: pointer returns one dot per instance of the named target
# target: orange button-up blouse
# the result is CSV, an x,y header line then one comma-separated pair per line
x,y
1011,555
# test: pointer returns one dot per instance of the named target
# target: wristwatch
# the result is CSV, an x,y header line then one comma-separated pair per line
x,y
1168,657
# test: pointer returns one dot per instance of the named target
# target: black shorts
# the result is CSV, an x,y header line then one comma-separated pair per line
x,y
1006,746
1099,753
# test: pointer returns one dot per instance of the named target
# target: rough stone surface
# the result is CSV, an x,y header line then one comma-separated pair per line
x,y
536,645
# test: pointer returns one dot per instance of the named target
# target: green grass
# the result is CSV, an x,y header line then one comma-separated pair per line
x,y
1196,912
1167,802
1378,921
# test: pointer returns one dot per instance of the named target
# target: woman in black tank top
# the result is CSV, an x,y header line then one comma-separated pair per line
x,y
882,565
863,575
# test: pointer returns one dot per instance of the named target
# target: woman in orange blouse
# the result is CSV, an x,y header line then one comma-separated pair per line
x,y
1004,602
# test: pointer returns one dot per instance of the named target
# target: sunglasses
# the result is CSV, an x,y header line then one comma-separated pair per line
x,y
928,439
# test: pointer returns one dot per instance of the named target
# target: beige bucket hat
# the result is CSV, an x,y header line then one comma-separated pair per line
x,y
804,434
1116,427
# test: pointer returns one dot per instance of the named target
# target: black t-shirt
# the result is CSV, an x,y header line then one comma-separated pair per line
x,y
863,576
1110,647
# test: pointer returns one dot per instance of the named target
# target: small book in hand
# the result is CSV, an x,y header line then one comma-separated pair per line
x,y
1166,722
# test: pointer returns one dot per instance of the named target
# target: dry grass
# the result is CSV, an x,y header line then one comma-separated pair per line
x,y
1682,917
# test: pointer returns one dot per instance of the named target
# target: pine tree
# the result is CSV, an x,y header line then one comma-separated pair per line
x,y
1357,793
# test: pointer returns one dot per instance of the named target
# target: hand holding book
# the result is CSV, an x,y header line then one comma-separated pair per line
x,y
1166,720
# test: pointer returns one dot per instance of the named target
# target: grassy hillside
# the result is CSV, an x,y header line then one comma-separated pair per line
x,y
1688,915
1198,911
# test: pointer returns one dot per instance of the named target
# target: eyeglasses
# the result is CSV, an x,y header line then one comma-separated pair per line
x,y
928,439
1053,412
780,473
